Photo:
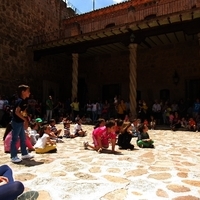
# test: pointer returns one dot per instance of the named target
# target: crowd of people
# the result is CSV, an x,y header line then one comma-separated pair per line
x,y
176,115
28,128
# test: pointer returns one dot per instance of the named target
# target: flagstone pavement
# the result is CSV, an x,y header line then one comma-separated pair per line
x,y
170,171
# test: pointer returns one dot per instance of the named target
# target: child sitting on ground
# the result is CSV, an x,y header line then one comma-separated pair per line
x,y
124,138
192,125
135,126
44,143
33,134
144,140
102,136
66,124
78,131
54,128
198,122
152,124
184,123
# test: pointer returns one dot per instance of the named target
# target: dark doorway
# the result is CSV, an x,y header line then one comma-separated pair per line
x,y
110,91
165,95
193,89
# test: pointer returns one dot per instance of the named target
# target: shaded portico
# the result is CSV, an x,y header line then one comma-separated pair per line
x,y
146,28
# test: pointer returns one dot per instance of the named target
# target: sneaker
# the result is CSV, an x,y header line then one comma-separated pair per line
x,y
15,159
28,156
85,144
141,146
29,195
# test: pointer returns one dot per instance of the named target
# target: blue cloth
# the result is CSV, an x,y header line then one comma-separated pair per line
x,y
12,189
18,131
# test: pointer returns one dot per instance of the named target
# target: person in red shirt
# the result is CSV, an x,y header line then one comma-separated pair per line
x,y
192,125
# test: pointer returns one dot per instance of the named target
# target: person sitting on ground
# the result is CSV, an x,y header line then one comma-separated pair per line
x,y
192,125
198,122
124,138
135,124
171,118
33,134
118,126
126,118
102,136
99,124
54,129
184,123
44,144
152,124
28,139
8,138
176,124
144,141
39,122
86,120
146,122
66,124
78,131
11,189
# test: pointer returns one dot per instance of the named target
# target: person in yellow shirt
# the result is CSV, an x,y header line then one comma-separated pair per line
x,y
121,109
75,108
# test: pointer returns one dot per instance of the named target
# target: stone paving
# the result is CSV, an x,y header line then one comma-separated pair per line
x,y
170,171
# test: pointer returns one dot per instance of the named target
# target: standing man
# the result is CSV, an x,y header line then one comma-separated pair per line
x,y
156,109
49,108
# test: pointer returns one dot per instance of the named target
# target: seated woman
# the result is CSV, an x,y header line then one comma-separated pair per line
x,y
44,144
11,189
144,141
124,138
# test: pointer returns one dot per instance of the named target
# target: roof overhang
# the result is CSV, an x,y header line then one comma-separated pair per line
x,y
178,27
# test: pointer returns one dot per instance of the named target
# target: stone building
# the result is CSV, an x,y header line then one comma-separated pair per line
x,y
138,49
21,22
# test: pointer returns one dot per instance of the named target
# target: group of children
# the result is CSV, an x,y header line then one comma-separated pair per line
x,y
39,137
190,124
119,132
42,137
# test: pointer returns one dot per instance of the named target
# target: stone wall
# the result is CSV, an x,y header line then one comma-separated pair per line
x,y
20,22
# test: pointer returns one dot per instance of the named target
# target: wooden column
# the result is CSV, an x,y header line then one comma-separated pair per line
x,y
133,78
74,76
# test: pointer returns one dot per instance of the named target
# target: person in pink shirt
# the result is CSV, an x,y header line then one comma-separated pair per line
x,y
102,136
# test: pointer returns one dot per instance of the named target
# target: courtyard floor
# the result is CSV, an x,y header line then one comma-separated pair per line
x,y
170,171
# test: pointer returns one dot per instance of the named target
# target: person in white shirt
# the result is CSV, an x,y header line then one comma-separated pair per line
x,y
44,144
156,109
33,134
78,131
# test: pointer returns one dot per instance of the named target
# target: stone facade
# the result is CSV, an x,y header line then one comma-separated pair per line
x,y
20,22
23,22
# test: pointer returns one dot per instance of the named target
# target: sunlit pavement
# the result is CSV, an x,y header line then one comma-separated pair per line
x,y
170,171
